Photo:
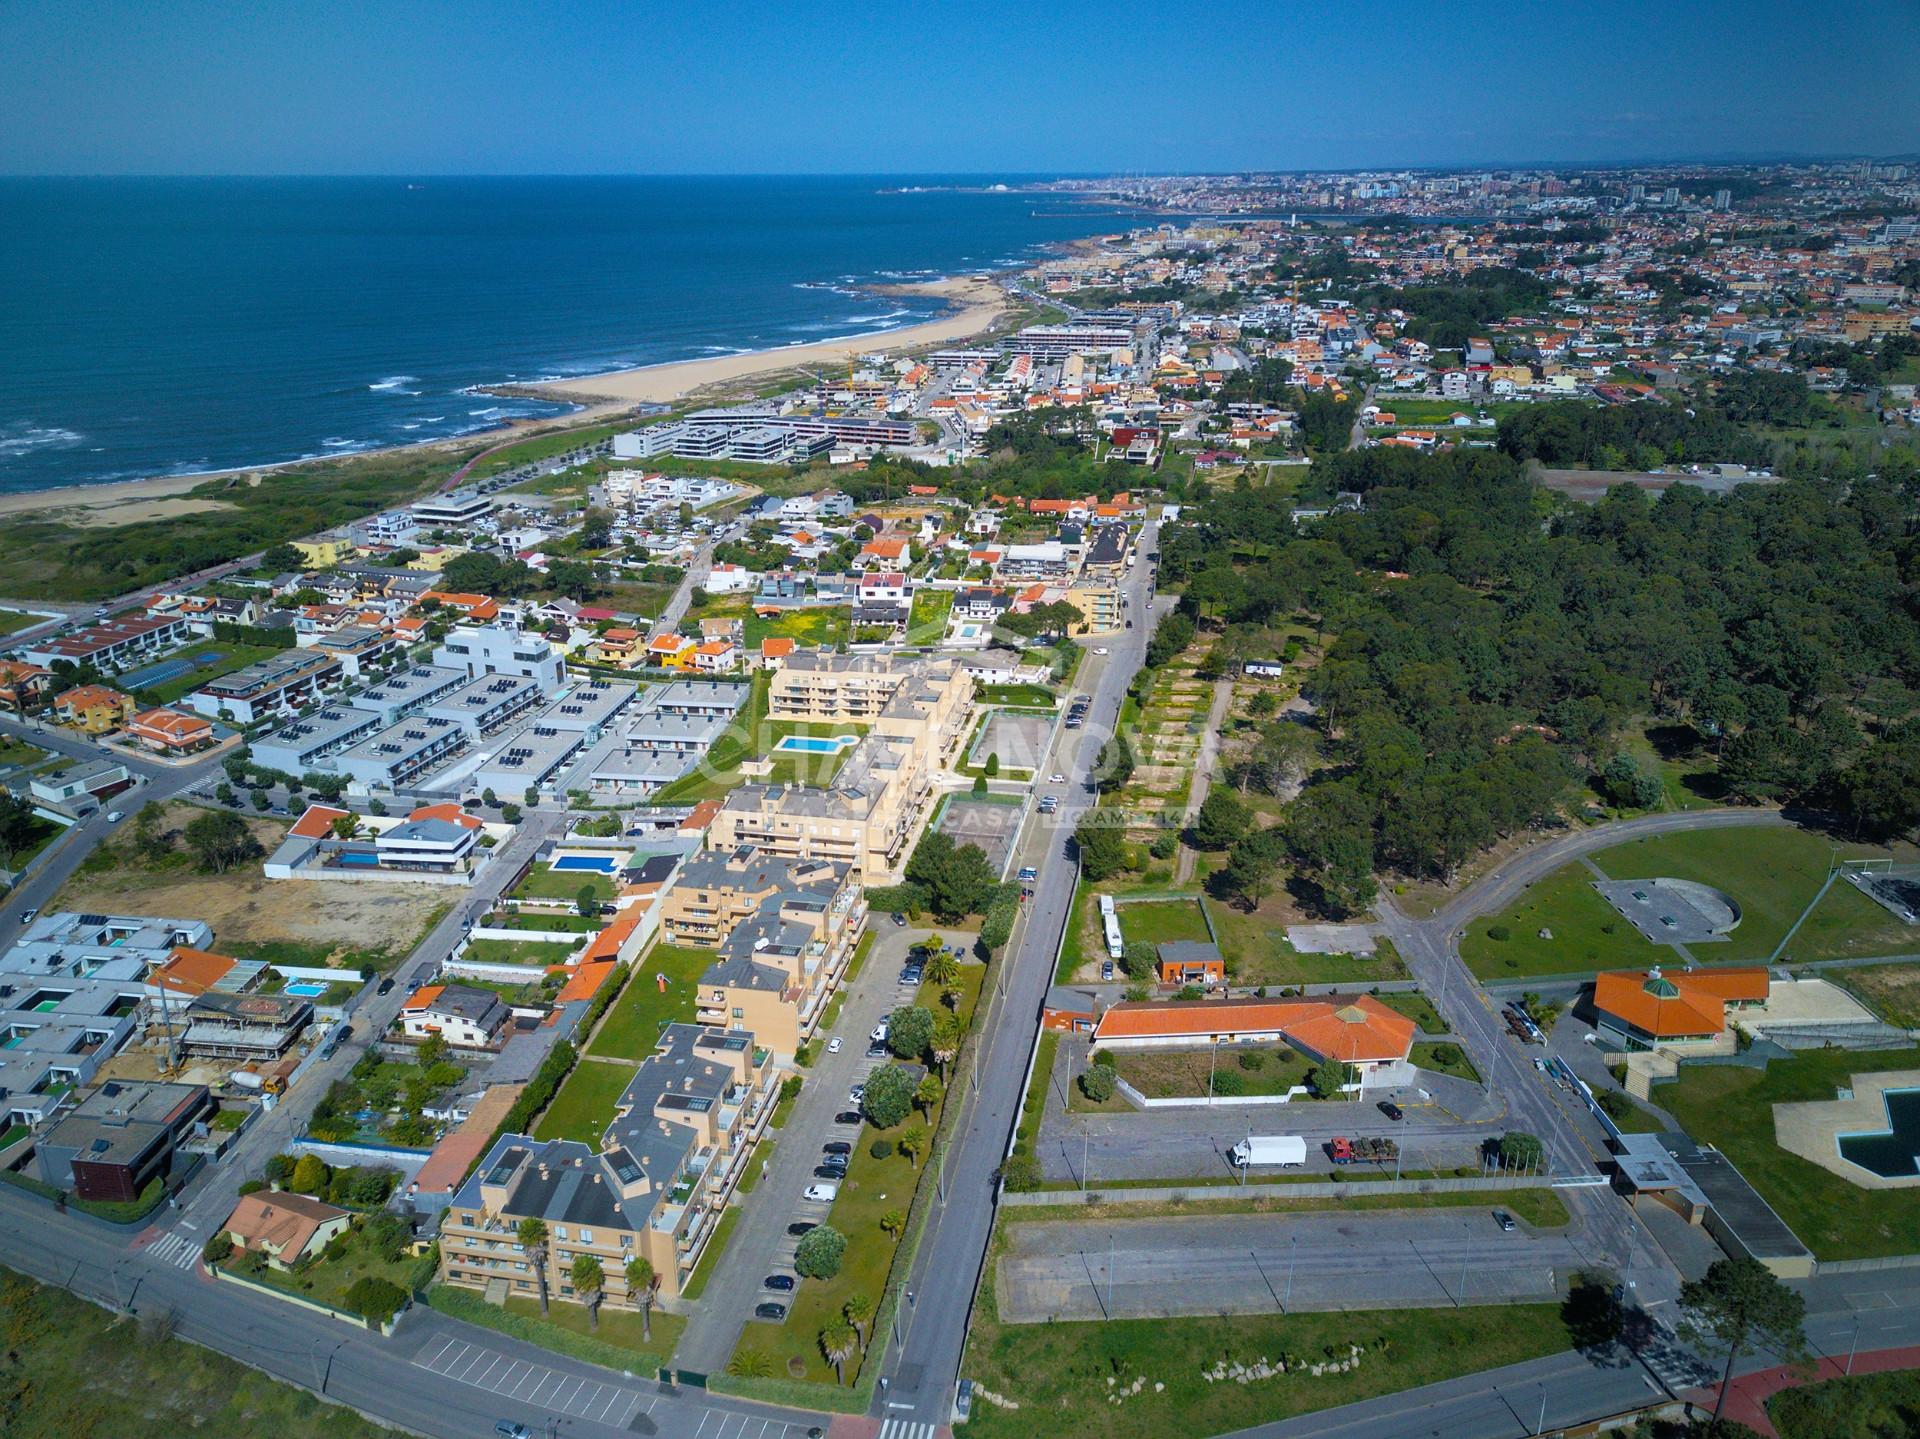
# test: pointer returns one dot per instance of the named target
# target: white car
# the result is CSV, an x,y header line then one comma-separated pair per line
x,y
833,1045
821,1193
1099,649
1056,779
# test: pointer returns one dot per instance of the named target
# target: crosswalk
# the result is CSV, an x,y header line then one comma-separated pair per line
x,y
175,1250
908,1429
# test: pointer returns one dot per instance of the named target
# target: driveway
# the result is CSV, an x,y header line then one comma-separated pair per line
x,y
1268,1263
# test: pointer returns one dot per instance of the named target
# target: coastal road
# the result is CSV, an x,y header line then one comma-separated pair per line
x,y
923,1358
697,571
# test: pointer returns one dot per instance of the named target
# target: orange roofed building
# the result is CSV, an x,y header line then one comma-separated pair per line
x,y
1643,1007
1358,1031
166,731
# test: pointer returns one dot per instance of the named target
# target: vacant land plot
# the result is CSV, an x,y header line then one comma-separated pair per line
x,y
1257,953
1196,1073
1018,739
545,882
78,1370
815,625
339,922
1731,1107
989,821
1164,921
1891,991
1559,926
583,1108
661,993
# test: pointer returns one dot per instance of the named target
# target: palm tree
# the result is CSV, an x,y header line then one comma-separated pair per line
x,y
858,1311
942,968
838,1342
589,1282
950,997
532,1235
643,1287
928,1094
894,1222
945,1043
913,1144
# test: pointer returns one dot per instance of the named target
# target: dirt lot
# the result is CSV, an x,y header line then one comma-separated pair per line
x,y
296,921
1890,990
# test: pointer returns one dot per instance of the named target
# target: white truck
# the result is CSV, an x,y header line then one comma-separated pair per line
x,y
1288,1151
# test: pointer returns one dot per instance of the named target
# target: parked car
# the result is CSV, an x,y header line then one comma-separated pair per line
x,y
800,1228
1504,1220
833,1045
1391,1110
1028,872
830,1171
770,1310
821,1193
878,1034
836,1146
876,1051
901,920
386,985
28,916
856,1094
783,1283
848,1116
1106,969
507,1429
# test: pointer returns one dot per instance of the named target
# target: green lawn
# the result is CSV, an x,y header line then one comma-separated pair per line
x,y
1058,1373
1257,953
1163,921
506,951
928,621
1445,1057
710,1256
328,1280
1588,933
809,626
798,766
13,621
1184,1073
1017,696
545,882
1861,1406
232,657
719,771
565,1329
1417,1007
583,1108
19,754
548,920
79,1370
1730,1107
632,1029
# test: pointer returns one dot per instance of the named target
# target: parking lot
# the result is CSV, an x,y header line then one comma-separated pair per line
x,y
763,1242
1268,1263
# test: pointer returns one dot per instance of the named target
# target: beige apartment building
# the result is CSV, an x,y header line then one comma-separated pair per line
x,y
916,712
654,1189
785,929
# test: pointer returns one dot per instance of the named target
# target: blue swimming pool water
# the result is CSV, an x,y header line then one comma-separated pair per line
x,y
1893,1153
816,744
602,863
359,857
306,988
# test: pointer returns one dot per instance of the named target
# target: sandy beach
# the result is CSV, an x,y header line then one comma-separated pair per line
x,y
979,300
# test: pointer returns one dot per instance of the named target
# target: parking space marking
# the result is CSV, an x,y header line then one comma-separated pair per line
x,y
526,1382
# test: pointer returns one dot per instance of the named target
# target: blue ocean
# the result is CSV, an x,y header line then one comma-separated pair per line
x,y
166,326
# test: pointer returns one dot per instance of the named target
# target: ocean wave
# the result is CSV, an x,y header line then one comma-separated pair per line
x,y
431,419
23,438
489,411
334,442
397,382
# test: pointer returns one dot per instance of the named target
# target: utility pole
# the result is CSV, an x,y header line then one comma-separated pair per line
x,y
1293,1253
1541,1426
1109,1304
1460,1295
1855,1344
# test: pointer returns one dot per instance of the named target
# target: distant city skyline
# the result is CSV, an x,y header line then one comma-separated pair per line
x,y
393,88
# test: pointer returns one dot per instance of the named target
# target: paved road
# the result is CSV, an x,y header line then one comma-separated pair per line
x,y
922,1363
697,571
1267,1263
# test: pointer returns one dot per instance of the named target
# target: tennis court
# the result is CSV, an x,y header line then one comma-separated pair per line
x,y
160,671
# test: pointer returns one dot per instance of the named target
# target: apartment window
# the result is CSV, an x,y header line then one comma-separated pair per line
x,y
586,1236
737,1014
559,1231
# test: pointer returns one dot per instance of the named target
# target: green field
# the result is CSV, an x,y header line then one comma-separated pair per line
x,y
535,953
1185,1073
77,1370
632,1029
565,1329
1258,953
718,773
232,657
1772,874
13,621
808,627
1730,1107
583,1108
1016,696
545,882
1445,1057
1163,921
1417,1007
1058,1373
928,621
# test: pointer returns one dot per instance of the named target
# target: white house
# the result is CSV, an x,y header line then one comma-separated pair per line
x,y
728,579
466,1017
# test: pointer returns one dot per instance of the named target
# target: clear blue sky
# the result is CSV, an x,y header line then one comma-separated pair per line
x,y
389,87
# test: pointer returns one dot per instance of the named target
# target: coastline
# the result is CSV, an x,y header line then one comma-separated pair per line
x,y
979,302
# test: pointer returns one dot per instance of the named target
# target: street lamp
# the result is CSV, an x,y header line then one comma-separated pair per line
x,y
1293,1253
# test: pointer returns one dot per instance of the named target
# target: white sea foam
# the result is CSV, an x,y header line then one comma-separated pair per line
x,y
397,382
23,439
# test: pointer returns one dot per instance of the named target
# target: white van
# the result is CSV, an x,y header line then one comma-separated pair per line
x,y
821,1193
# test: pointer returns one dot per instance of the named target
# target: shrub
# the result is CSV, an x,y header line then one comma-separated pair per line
x,y
309,1175
375,1297
253,1186
1499,933
1021,1173
279,1169
1617,1105
1252,1059
1164,846
1098,1084
819,1252
880,1148
1229,1082
218,1248
1104,1058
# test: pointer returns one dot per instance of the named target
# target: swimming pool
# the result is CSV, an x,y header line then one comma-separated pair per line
x,y
816,744
1894,1152
599,863
306,988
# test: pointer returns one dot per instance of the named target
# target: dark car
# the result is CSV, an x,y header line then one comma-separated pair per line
x,y
1391,1110
848,1116
837,1146
876,1050
782,1282
800,1228
1106,969
1504,1220
385,985
770,1310
901,920
830,1171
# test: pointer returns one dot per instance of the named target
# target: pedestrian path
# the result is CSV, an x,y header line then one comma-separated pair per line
x,y
175,1250
908,1429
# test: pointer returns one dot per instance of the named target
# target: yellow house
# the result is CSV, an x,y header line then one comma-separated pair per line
x,y
94,709
324,554
674,652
